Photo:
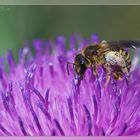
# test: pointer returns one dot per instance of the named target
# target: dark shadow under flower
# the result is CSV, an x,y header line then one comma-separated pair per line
x,y
38,98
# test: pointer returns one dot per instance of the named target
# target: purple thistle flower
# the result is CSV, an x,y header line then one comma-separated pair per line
x,y
38,98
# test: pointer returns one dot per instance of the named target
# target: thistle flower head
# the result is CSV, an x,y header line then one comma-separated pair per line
x,y
39,98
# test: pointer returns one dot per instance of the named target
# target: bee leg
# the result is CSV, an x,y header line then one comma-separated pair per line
x,y
108,72
118,75
125,70
127,76
94,69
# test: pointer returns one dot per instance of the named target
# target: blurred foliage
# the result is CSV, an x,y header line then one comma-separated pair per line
x,y
25,23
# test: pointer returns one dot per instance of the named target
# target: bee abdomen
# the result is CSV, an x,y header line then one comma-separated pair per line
x,y
126,57
128,62
125,54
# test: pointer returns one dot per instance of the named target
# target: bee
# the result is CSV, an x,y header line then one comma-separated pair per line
x,y
111,56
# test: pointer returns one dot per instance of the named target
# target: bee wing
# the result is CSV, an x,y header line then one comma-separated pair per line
x,y
124,44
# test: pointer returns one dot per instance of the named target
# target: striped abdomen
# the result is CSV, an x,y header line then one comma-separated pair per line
x,y
126,57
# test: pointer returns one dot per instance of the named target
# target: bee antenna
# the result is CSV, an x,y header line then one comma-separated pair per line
x,y
68,66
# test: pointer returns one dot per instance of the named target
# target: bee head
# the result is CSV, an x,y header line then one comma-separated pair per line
x,y
81,65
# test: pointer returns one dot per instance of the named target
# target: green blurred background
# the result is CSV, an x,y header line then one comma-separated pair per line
x,y
25,23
